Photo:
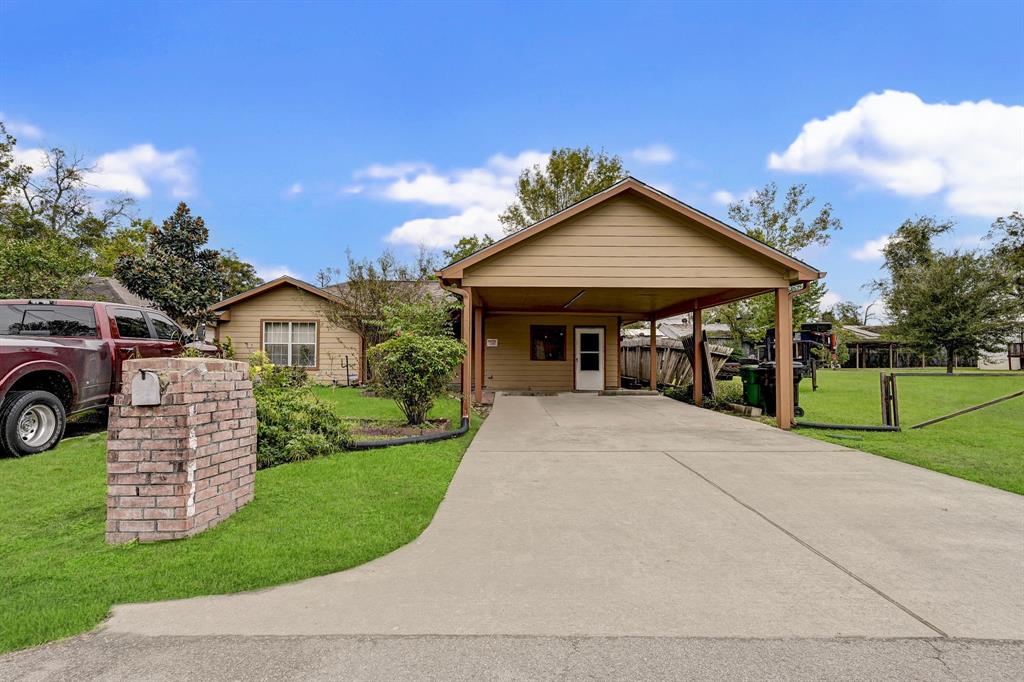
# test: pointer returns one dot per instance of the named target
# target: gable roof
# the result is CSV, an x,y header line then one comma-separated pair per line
x,y
804,271
272,284
109,289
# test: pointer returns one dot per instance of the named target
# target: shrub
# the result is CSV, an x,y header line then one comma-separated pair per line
x,y
727,392
414,371
292,424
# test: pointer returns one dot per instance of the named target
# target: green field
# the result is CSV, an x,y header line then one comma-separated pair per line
x,y
986,446
308,518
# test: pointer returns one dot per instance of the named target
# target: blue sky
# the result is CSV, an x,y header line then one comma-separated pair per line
x,y
300,130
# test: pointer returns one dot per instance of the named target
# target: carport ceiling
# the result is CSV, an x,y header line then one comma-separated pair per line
x,y
577,300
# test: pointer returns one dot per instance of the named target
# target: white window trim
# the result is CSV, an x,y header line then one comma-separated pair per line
x,y
291,342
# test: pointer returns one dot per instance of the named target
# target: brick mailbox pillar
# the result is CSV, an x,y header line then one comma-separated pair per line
x,y
181,466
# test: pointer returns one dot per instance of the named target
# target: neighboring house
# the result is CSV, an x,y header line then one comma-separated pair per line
x,y
286,319
542,308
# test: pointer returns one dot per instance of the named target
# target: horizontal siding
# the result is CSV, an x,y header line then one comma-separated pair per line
x,y
290,303
509,367
626,243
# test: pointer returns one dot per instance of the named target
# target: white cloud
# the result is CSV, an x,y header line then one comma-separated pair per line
x,y
269,272
828,300
725,197
133,170
654,154
21,129
294,190
872,249
34,157
972,153
477,195
380,171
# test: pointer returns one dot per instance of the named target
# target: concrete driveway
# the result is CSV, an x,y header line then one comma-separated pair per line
x,y
640,516
589,537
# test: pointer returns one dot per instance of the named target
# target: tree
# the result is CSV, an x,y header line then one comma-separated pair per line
x,y
569,176
41,267
176,273
52,235
1008,233
783,226
371,288
844,312
960,302
466,246
123,241
238,275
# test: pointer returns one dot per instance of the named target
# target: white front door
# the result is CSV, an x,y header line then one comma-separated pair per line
x,y
589,358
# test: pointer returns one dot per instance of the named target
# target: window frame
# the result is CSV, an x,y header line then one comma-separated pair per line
x,y
113,312
150,315
56,306
565,342
316,341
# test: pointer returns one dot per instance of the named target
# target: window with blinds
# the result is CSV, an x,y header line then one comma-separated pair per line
x,y
290,343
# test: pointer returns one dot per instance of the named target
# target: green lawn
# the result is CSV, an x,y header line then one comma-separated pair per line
x,y
308,518
986,446
353,405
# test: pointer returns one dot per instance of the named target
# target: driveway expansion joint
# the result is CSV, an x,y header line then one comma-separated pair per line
x,y
811,548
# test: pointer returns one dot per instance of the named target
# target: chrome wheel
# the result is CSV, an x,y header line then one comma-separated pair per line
x,y
37,425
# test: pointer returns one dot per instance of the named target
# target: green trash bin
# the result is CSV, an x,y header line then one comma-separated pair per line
x,y
752,394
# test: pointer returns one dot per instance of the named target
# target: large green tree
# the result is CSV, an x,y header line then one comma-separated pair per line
x,y
53,231
176,272
960,302
466,246
1008,234
789,224
238,275
569,176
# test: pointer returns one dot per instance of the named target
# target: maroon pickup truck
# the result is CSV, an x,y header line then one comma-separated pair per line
x,y
62,357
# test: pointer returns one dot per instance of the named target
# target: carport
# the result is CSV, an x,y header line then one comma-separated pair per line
x,y
542,308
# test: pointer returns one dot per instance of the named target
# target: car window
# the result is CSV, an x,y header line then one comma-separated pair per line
x,y
165,329
46,320
131,324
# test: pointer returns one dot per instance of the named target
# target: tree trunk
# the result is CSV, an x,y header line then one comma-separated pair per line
x,y
950,360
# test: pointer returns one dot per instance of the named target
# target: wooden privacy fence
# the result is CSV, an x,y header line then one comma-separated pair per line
x,y
674,368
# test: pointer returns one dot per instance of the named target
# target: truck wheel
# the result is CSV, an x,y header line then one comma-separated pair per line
x,y
31,422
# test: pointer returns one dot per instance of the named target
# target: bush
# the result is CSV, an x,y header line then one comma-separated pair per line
x,y
414,371
292,424
727,392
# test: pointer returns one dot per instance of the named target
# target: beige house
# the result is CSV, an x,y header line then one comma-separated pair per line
x,y
286,319
542,308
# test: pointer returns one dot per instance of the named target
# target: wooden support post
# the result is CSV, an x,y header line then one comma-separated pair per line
x,y
653,382
783,358
478,354
467,362
698,358
890,356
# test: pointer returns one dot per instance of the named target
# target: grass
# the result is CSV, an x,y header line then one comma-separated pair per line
x,y
983,446
353,405
308,518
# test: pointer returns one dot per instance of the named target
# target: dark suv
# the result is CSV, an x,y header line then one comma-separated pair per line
x,y
62,357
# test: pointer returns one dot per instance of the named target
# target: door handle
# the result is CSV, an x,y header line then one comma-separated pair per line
x,y
128,350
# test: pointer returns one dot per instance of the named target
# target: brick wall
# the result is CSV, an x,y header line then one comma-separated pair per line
x,y
180,467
